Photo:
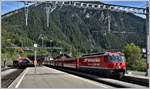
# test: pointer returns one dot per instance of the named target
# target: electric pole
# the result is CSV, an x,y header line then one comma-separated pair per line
x,y
109,21
26,12
47,14
35,60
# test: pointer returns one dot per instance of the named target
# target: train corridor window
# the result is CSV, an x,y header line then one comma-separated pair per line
x,y
116,58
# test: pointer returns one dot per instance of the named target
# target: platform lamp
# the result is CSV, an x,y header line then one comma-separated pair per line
x,y
35,60
144,52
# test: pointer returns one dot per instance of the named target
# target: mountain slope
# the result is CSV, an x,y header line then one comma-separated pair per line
x,y
72,27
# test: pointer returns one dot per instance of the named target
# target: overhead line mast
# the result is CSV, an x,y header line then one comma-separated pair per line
x,y
47,15
26,12
100,6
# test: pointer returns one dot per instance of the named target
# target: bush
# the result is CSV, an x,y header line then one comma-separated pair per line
x,y
133,56
141,65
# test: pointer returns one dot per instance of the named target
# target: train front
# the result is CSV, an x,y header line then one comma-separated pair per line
x,y
24,62
117,63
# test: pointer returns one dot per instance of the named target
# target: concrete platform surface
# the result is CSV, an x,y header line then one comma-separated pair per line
x,y
46,77
137,76
136,73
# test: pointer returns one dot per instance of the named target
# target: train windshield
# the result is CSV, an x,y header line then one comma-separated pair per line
x,y
116,58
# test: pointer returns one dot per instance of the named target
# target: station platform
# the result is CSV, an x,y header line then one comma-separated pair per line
x,y
137,74
45,77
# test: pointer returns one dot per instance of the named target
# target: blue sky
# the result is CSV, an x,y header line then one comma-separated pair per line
x,y
8,6
141,4
128,3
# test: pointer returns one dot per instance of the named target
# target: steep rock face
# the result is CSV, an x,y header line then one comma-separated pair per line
x,y
74,27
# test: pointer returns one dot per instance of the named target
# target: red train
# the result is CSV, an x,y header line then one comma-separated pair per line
x,y
24,62
107,63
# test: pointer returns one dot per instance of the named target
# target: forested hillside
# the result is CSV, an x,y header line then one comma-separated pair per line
x,y
73,28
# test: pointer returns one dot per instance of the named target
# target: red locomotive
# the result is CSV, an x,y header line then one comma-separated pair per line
x,y
108,63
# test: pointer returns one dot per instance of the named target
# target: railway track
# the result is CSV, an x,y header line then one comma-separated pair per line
x,y
3,69
112,82
143,82
9,75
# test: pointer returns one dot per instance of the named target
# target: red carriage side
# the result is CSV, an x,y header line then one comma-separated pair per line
x,y
108,63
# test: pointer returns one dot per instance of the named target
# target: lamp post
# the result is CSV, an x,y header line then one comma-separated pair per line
x,y
35,60
60,52
51,46
41,36
5,61
144,52
42,41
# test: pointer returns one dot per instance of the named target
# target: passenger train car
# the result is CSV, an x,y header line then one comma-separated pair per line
x,y
24,62
106,63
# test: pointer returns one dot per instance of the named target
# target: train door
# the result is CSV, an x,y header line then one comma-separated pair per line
x,y
77,63
103,61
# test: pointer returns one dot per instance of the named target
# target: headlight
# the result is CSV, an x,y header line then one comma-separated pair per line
x,y
119,67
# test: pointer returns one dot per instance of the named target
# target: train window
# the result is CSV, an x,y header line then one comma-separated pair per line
x,y
96,6
78,4
84,4
116,58
66,3
90,5
105,59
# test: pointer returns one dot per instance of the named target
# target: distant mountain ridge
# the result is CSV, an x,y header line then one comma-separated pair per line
x,y
70,27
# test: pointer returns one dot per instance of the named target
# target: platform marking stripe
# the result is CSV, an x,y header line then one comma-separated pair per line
x,y
87,80
90,81
17,85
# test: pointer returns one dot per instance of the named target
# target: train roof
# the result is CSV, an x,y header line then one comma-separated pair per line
x,y
61,55
38,57
102,54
